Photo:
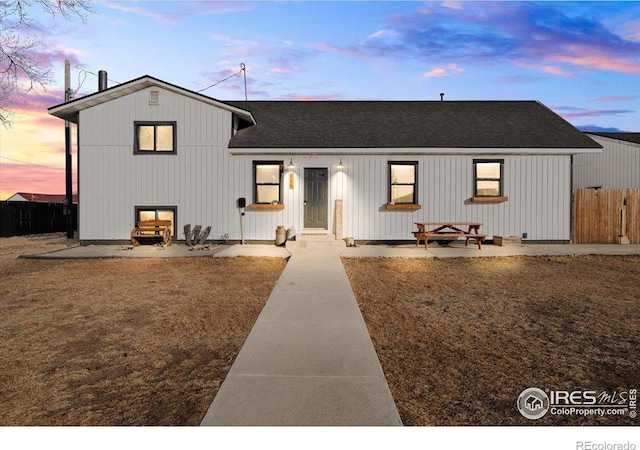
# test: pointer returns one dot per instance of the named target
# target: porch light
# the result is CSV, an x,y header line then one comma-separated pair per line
x,y
290,166
340,165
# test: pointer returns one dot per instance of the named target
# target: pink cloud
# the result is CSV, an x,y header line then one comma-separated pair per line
x,y
347,51
592,59
32,158
15,177
551,70
284,70
631,30
32,107
594,113
311,98
160,17
616,99
201,8
554,70
451,4
449,69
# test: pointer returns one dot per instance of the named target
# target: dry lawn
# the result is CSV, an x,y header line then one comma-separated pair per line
x,y
459,339
121,341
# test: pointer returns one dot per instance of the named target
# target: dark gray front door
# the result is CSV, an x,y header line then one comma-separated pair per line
x,y
316,188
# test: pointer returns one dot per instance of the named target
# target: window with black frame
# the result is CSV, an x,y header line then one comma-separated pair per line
x,y
403,182
267,176
144,213
488,175
155,138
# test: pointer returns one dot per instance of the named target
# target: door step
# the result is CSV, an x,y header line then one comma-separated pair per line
x,y
307,236
319,239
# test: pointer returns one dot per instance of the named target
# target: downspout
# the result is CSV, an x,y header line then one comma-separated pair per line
x,y
571,219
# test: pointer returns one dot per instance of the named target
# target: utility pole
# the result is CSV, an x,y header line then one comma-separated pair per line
x,y
243,68
67,147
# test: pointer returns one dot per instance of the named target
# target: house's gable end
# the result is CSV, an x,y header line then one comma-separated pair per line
x,y
70,110
633,138
113,124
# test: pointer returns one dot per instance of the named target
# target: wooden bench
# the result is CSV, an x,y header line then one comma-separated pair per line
x,y
152,229
424,236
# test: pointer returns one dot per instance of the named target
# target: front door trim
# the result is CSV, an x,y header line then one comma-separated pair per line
x,y
315,198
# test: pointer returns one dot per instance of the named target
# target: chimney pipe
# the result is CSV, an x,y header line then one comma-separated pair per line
x,y
441,96
102,80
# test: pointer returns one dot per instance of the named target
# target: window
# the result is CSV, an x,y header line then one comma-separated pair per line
x,y
403,182
267,176
155,137
488,177
157,213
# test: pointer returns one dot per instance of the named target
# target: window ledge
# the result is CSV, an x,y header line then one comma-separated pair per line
x,y
266,207
488,199
402,207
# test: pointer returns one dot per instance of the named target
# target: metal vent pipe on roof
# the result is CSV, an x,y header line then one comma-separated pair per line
x,y
102,80
441,96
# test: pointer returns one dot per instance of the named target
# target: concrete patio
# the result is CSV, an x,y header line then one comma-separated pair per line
x,y
455,250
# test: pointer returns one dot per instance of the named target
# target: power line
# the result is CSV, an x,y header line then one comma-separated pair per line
x,y
84,73
243,69
32,164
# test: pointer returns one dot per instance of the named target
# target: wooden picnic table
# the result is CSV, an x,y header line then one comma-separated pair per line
x,y
449,230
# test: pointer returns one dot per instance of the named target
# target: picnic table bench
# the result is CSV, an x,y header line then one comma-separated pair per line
x,y
152,229
449,231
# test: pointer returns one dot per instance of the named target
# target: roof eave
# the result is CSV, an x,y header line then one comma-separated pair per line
x,y
411,151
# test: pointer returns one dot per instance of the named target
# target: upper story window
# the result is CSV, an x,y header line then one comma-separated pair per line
x,y
403,182
488,176
267,176
155,137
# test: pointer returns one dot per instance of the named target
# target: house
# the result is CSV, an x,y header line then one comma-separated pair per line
x,y
39,198
617,167
533,403
148,148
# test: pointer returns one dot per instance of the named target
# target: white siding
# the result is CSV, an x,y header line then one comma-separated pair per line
x,y
204,180
113,180
617,167
537,188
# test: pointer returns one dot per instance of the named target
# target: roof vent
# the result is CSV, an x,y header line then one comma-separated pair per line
x,y
441,96
153,98
102,80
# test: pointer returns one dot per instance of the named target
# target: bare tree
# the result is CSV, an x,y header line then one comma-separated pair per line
x,y
22,68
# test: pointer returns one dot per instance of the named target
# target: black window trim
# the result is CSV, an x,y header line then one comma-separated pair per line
x,y
136,143
414,184
279,184
476,179
136,217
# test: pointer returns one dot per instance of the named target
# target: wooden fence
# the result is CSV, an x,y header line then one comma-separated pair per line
x,y
602,216
19,218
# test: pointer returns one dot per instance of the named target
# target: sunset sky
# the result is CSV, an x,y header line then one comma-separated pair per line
x,y
582,59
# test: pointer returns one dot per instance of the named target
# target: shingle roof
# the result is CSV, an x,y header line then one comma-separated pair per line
x,y
44,198
629,137
406,124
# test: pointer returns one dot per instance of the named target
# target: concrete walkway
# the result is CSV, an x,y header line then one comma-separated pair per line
x,y
309,359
